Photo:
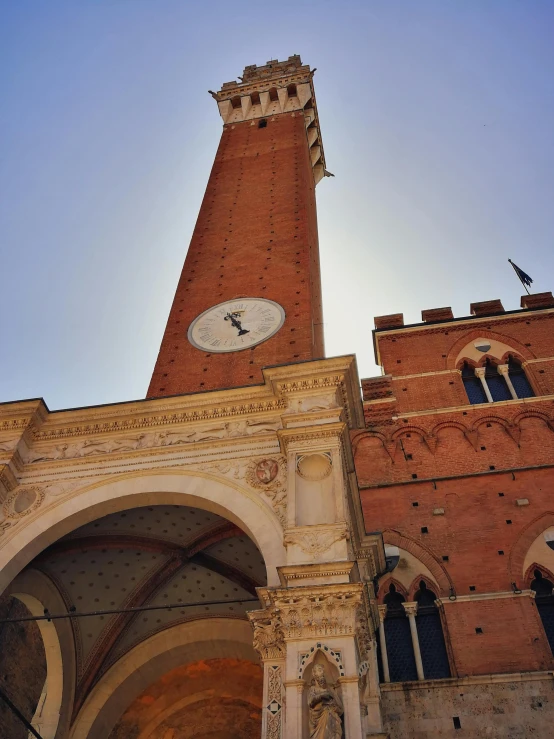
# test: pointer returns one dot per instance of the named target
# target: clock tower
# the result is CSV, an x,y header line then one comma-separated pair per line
x,y
249,295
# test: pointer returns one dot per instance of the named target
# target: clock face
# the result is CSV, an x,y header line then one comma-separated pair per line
x,y
236,325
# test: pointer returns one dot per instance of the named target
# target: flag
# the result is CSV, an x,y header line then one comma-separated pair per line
x,y
523,276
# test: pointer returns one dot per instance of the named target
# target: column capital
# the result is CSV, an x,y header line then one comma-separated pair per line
x,y
410,608
502,369
480,372
382,612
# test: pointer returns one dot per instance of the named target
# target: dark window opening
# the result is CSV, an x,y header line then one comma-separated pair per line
x,y
291,89
255,97
519,380
457,722
473,386
400,650
262,123
273,96
544,599
235,102
431,636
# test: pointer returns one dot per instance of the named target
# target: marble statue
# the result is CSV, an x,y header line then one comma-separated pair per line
x,y
325,708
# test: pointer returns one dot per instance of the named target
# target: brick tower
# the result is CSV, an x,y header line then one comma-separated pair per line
x,y
249,295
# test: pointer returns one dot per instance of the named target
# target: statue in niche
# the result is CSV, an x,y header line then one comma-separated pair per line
x,y
325,707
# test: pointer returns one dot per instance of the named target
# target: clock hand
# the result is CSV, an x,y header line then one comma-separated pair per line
x,y
237,324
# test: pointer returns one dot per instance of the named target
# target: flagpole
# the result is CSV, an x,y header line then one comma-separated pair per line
x,y
519,278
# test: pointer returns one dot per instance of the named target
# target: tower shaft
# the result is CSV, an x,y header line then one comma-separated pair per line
x,y
256,234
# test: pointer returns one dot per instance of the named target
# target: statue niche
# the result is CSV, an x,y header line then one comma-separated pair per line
x,y
324,706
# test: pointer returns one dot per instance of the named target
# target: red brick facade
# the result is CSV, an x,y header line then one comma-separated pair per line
x,y
465,489
256,235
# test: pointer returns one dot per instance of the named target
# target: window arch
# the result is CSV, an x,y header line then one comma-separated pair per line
x,y
544,598
517,375
496,381
473,386
430,634
400,650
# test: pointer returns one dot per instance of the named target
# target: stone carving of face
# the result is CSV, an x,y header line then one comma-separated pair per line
x,y
319,674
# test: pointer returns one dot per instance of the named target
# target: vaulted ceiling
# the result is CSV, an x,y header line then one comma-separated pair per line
x,y
151,556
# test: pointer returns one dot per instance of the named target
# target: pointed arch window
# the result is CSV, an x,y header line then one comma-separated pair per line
x,y
400,650
430,634
495,382
519,379
544,598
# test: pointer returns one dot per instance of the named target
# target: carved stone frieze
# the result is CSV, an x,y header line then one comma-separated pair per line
x,y
316,611
158,439
317,542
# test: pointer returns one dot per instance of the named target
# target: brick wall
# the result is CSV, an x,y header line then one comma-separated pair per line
x,y
442,479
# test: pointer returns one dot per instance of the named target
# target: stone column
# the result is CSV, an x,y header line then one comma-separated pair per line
x,y
503,370
268,641
480,373
411,610
383,643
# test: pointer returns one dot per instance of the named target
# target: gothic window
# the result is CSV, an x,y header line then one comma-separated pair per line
x,y
496,383
400,650
545,604
430,634
473,385
489,384
519,380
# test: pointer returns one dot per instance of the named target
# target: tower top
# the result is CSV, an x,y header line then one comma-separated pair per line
x,y
275,88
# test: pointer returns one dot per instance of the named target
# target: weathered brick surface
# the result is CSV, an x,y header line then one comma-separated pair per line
x,y
433,480
256,235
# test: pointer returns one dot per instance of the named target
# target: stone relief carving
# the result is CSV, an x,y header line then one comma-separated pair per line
x,y
22,501
91,447
324,707
268,634
315,543
318,613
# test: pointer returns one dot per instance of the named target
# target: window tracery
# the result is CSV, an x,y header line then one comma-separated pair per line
x,y
496,381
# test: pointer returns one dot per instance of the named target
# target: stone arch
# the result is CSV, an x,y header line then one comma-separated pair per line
x,y
239,505
414,586
47,714
36,591
518,349
528,577
150,660
524,541
332,656
424,555
384,589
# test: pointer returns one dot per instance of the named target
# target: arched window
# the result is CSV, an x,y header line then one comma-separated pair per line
x,y
519,380
400,650
430,634
545,604
495,382
473,385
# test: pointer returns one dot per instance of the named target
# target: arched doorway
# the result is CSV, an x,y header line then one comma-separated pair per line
x,y
147,575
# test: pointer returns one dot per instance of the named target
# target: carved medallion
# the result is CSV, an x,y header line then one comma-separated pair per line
x,y
22,502
314,467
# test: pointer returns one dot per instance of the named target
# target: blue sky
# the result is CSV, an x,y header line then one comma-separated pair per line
x,y
437,120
